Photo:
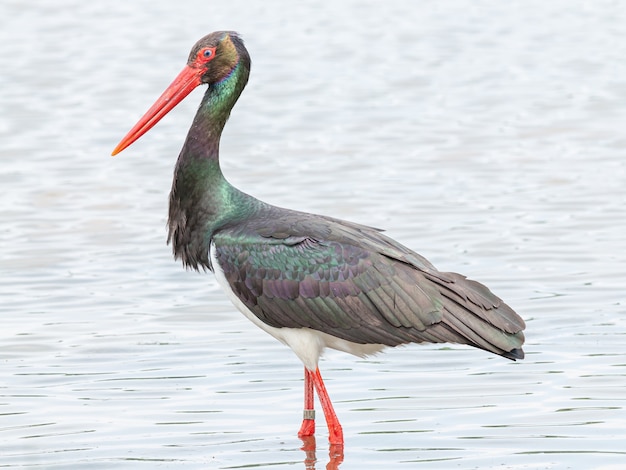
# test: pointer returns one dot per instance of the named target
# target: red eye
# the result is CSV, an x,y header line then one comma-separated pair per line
x,y
206,54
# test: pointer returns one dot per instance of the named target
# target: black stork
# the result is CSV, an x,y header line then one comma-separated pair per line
x,y
311,281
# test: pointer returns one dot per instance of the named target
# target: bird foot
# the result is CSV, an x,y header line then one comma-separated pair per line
x,y
307,428
335,435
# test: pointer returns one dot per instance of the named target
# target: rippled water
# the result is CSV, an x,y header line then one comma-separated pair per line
x,y
487,135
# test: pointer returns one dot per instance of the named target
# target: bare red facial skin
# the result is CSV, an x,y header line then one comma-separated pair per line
x,y
186,81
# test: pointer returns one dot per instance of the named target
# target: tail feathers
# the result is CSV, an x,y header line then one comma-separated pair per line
x,y
467,328
514,354
475,316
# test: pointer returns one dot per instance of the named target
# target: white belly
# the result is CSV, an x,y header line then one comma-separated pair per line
x,y
308,344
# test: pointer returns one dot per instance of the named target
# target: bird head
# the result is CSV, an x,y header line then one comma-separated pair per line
x,y
212,60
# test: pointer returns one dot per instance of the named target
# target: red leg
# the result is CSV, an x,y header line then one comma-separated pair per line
x,y
308,421
335,433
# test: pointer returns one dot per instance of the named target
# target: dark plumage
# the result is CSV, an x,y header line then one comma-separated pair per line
x,y
310,281
297,270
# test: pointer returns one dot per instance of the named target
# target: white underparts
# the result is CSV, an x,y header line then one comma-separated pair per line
x,y
308,344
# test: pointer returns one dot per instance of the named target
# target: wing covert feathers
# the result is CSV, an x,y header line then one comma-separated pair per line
x,y
356,284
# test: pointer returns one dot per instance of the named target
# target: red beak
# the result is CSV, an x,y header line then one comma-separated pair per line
x,y
182,85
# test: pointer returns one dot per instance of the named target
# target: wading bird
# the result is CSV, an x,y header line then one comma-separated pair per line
x,y
311,281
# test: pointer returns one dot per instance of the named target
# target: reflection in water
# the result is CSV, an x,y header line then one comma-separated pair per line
x,y
335,454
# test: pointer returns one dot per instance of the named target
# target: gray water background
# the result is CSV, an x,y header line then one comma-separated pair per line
x,y
488,136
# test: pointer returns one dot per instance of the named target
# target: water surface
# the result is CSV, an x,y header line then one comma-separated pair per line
x,y
486,135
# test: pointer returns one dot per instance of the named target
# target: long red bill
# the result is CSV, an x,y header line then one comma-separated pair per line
x,y
183,84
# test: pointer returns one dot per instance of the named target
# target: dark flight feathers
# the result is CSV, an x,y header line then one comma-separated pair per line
x,y
352,282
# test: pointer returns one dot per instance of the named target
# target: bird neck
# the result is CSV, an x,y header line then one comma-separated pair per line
x,y
202,200
203,138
